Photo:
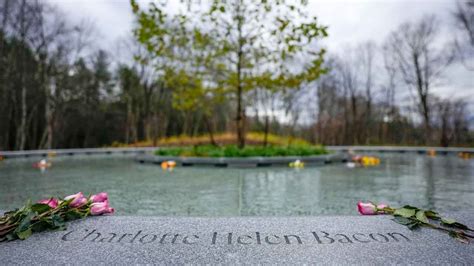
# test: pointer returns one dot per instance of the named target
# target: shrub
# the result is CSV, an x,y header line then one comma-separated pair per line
x,y
248,151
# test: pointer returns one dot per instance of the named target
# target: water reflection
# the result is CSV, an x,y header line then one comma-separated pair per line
x,y
442,183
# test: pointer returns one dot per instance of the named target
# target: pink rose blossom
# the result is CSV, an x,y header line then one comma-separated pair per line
x,y
52,202
99,197
78,200
366,208
99,208
381,207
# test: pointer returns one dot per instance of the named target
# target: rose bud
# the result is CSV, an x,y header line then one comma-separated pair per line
x,y
99,197
366,208
78,200
99,208
380,208
52,202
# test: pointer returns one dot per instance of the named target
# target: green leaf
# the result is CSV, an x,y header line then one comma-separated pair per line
x,y
11,236
452,223
432,214
461,226
40,226
25,222
24,234
447,221
405,212
40,208
402,220
57,221
420,216
413,226
72,215
410,207
459,237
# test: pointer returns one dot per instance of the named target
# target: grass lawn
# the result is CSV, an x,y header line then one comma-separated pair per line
x,y
248,151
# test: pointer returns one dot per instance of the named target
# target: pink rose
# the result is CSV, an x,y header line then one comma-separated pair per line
x,y
78,200
100,197
99,208
366,208
381,207
52,202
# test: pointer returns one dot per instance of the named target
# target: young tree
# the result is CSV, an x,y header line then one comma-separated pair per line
x,y
260,41
276,31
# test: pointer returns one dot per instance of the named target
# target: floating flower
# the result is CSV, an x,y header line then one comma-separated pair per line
x,y
43,164
99,197
51,202
168,165
78,200
99,208
297,164
366,160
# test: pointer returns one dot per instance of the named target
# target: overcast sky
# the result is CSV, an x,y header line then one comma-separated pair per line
x,y
350,22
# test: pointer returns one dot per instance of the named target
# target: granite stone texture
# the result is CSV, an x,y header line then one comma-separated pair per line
x,y
241,240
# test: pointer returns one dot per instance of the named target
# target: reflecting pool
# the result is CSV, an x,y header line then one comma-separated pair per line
x,y
443,183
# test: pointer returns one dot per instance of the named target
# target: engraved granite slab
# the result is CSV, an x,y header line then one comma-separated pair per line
x,y
284,240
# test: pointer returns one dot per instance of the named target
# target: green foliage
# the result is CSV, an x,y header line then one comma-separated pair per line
x,y
21,223
421,216
405,212
413,218
248,151
250,45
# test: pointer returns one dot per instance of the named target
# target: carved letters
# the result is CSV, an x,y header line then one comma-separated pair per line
x,y
231,238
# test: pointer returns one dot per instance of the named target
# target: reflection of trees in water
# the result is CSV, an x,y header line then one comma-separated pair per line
x,y
401,179
280,192
430,183
444,183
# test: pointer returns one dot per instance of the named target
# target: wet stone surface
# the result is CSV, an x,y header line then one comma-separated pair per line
x,y
164,240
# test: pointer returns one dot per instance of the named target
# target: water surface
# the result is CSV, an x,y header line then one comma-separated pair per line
x,y
443,183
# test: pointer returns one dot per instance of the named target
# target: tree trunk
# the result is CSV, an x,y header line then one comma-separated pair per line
x,y
240,112
21,134
210,130
267,128
128,123
49,120
355,128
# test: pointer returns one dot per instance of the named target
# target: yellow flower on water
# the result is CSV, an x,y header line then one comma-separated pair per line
x,y
297,164
369,161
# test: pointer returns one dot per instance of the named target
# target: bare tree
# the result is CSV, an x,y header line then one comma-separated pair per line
x,y
21,25
348,70
452,121
420,62
367,59
464,16
464,21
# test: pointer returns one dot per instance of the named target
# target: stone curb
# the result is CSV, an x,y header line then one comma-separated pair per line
x,y
245,162
144,150
323,240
